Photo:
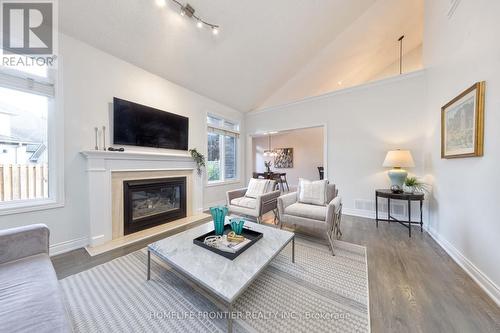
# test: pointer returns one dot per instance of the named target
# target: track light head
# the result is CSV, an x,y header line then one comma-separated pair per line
x,y
187,10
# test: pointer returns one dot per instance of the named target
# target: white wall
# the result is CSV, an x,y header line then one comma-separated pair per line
x,y
459,51
362,124
91,78
308,154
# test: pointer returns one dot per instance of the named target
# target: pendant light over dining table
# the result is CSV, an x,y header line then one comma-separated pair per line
x,y
269,152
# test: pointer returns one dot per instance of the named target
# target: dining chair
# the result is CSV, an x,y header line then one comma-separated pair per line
x,y
283,180
321,171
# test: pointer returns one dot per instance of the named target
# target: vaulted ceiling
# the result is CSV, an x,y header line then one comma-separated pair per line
x,y
262,44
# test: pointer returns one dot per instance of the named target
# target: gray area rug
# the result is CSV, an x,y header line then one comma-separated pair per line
x,y
319,293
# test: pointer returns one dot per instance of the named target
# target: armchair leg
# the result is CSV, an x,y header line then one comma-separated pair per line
x,y
330,240
276,216
259,220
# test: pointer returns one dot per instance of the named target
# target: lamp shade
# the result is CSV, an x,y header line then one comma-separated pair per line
x,y
399,159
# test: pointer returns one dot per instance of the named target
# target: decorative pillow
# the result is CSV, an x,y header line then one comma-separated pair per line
x,y
313,193
257,187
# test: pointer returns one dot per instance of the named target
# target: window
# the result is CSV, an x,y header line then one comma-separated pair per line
x,y
222,161
26,101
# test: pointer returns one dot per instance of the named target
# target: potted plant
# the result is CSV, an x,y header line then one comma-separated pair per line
x,y
413,185
268,166
199,159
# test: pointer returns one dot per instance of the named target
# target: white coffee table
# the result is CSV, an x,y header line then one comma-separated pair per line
x,y
223,278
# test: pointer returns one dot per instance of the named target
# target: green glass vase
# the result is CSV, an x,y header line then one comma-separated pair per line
x,y
219,216
237,225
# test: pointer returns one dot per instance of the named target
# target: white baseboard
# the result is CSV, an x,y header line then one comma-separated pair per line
x,y
358,212
67,246
475,273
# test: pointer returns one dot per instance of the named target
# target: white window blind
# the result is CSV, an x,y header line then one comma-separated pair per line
x,y
26,84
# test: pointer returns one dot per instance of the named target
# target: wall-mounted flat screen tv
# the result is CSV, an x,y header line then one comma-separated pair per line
x,y
138,125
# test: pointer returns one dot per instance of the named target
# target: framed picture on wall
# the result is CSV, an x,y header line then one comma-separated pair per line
x,y
284,158
462,124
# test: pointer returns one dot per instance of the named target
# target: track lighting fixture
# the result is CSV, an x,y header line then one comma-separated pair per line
x,y
188,11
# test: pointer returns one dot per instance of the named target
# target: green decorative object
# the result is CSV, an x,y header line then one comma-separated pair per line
x,y
237,225
199,159
219,216
413,185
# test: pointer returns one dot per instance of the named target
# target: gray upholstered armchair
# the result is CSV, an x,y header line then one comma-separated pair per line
x,y
240,202
320,219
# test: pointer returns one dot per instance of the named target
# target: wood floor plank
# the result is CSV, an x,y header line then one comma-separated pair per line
x,y
414,285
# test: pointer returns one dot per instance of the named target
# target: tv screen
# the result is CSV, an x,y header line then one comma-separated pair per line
x,y
139,125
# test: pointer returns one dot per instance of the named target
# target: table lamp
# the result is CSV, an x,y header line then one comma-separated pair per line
x,y
398,159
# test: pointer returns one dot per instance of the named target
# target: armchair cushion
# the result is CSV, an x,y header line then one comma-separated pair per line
x,y
258,187
307,211
245,202
312,192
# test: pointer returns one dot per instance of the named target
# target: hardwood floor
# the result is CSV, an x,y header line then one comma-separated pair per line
x,y
414,285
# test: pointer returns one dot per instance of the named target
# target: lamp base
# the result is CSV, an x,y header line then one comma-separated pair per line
x,y
397,177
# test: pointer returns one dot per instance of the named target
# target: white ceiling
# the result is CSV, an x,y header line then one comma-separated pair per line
x,y
366,50
262,43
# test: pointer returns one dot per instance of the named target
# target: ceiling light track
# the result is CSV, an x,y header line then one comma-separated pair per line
x,y
188,11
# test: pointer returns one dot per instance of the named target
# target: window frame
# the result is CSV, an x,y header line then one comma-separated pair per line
x,y
236,132
34,84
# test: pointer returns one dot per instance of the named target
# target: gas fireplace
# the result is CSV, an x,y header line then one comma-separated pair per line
x,y
151,202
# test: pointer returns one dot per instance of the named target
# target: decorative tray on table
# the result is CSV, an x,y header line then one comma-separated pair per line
x,y
251,235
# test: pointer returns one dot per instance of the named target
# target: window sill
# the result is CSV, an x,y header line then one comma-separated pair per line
x,y
222,183
26,206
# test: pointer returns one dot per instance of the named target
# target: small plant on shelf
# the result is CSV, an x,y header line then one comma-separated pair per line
x,y
412,185
199,159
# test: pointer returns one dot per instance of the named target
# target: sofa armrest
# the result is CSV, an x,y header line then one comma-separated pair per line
x,y
233,194
267,202
333,211
18,243
285,201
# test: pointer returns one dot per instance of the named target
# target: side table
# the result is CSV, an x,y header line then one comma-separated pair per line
x,y
409,197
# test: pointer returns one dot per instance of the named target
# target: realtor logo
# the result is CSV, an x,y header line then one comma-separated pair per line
x,y
27,27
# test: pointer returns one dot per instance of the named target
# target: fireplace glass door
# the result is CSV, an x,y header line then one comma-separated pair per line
x,y
151,202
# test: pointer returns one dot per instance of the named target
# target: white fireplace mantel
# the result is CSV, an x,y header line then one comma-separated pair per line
x,y
101,165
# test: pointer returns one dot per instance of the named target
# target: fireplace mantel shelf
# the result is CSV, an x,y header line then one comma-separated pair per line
x,y
135,155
